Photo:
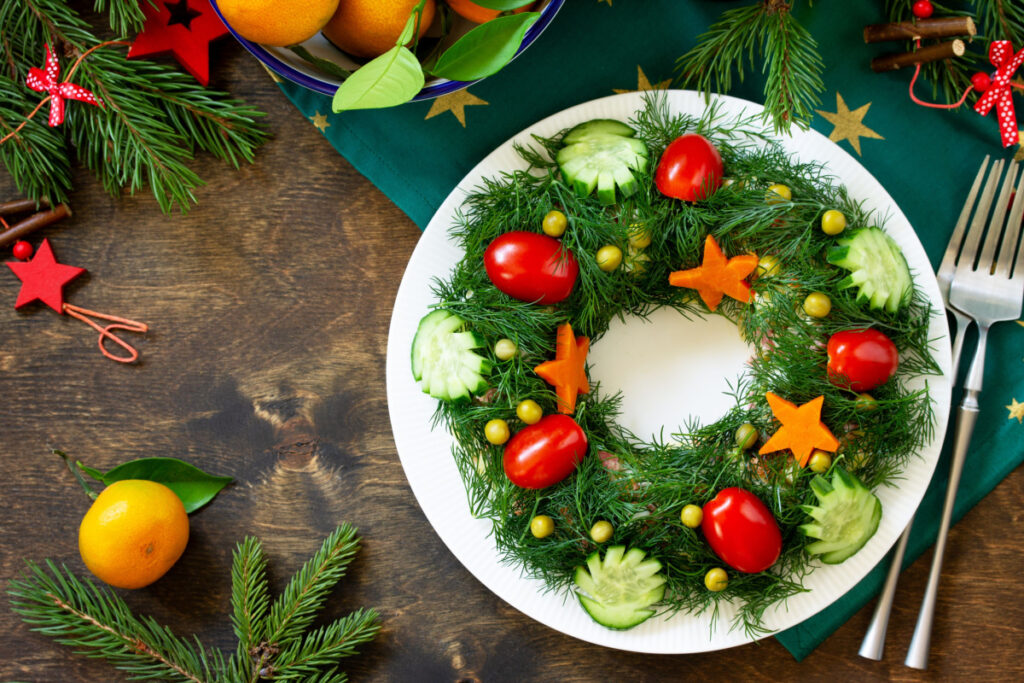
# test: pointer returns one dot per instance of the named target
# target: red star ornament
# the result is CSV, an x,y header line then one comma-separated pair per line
x,y
182,27
802,429
43,279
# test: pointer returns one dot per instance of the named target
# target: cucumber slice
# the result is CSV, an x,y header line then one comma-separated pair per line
x,y
602,154
846,516
619,591
593,127
877,267
443,360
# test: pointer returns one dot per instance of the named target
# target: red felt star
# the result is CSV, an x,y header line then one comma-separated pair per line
x,y
43,278
182,27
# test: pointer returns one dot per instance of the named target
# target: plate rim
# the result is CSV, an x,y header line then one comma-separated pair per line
x,y
399,379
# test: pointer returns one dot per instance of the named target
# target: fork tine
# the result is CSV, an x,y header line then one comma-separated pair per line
x,y
969,249
949,258
1010,237
986,262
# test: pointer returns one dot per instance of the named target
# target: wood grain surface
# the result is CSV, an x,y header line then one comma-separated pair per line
x,y
269,305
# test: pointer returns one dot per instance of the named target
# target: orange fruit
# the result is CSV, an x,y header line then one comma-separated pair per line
x,y
277,22
368,28
467,9
133,533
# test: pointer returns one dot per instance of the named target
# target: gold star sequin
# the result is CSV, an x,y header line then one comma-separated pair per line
x,y
643,84
1019,156
320,121
608,1
848,124
1016,411
456,103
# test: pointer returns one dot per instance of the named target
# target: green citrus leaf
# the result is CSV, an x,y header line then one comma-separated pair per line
x,y
502,5
386,81
91,471
195,487
486,49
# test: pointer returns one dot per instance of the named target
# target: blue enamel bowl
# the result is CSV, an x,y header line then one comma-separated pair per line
x,y
287,65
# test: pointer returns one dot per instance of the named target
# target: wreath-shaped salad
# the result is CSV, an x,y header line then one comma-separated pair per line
x,y
707,216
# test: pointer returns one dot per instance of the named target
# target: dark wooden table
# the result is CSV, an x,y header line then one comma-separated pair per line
x,y
269,305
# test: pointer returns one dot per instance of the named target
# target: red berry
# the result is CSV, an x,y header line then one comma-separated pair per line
x,y
981,81
22,250
922,9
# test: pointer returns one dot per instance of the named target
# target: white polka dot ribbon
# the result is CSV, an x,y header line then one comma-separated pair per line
x,y
999,93
46,81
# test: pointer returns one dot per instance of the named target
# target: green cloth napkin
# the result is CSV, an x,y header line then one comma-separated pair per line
x,y
926,159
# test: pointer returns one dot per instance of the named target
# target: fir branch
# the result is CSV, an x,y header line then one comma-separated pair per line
x,y
95,621
126,16
99,624
296,608
36,156
249,593
1001,20
325,646
153,120
765,31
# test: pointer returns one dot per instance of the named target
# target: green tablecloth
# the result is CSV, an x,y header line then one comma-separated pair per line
x,y
926,159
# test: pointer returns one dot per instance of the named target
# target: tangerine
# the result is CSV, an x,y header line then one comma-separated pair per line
x,y
277,22
467,9
133,533
368,28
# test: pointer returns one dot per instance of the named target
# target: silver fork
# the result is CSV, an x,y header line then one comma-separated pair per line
x,y
873,644
990,292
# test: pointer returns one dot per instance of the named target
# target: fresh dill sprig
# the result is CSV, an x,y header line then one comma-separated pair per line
x,y
639,486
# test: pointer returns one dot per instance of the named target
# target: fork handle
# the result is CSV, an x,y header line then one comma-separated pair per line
x,y
873,645
967,415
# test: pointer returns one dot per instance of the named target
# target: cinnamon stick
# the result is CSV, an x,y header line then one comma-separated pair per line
x,y
21,206
930,53
33,223
939,27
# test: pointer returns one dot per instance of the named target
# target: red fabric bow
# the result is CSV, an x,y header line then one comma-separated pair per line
x,y
999,94
46,81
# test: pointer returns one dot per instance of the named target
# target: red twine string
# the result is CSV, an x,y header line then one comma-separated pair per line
x,y
117,323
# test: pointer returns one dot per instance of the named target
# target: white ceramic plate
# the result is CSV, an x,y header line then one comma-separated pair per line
x,y
426,453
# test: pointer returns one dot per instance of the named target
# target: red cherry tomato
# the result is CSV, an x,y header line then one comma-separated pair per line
x,y
690,169
861,360
741,530
531,267
545,453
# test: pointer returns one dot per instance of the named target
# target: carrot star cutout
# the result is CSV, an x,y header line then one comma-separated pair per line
x,y
567,373
802,429
43,278
717,276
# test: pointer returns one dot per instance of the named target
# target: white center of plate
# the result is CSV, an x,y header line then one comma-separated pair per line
x,y
670,369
